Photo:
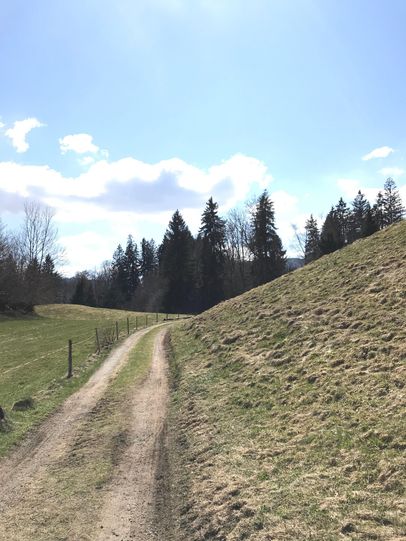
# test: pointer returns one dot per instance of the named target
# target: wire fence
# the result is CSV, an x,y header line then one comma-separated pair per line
x,y
102,337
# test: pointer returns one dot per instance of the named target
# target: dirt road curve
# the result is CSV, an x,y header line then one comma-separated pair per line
x,y
128,510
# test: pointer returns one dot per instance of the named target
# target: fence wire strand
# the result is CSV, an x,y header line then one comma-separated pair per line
x,y
112,327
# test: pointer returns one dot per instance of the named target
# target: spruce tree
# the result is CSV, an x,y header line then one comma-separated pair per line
x,y
79,295
176,266
369,226
393,209
312,240
131,268
119,283
268,256
48,266
330,236
148,261
378,211
32,279
357,220
342,214
211,262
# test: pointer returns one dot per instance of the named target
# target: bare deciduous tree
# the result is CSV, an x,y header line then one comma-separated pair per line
x,y
237,239
299,241
38,237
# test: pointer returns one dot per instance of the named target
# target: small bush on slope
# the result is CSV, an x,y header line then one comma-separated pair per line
x,y
288,403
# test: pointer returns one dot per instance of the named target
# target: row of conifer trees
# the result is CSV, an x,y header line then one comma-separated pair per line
x,y
186,273
343,224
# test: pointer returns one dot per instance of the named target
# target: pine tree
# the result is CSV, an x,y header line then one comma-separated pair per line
x,y
370,225
356,224
334,233
50,281
32,279
84,293
330,237
268,261
119,282
393,209
312,240
342,214
176,266
211,256
48,267
378,211
131,268
149,258
79,296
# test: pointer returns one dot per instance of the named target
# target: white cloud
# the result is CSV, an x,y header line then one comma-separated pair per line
x,y
19,132
285,203
131,196
86,160
381,152
2,125
349,187
229,181
87,250
391,171
81,143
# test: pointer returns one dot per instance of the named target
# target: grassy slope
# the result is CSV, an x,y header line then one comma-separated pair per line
x,y
33,359
288,403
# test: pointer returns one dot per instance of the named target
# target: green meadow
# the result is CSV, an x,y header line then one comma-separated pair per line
x,y
34,358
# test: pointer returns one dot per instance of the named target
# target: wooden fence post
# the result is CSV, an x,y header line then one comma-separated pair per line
x,y
156,317
128,326
136,323
117,329
97,341
70,363
146,320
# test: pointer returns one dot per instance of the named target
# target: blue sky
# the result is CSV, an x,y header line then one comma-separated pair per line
x,y
166,102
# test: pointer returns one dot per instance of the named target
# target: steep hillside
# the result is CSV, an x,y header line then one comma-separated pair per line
x,y
288,403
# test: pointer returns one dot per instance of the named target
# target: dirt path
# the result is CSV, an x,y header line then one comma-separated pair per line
x,y
128,509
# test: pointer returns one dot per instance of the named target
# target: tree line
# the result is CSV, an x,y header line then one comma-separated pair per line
x,y
344,224
184,273
28,260
187,274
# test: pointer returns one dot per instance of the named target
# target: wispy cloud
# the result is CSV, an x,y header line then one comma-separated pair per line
x,y
81,143
381,152
18,133
391,171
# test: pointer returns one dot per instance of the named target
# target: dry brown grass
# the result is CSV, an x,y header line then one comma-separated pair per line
x,y
288,403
